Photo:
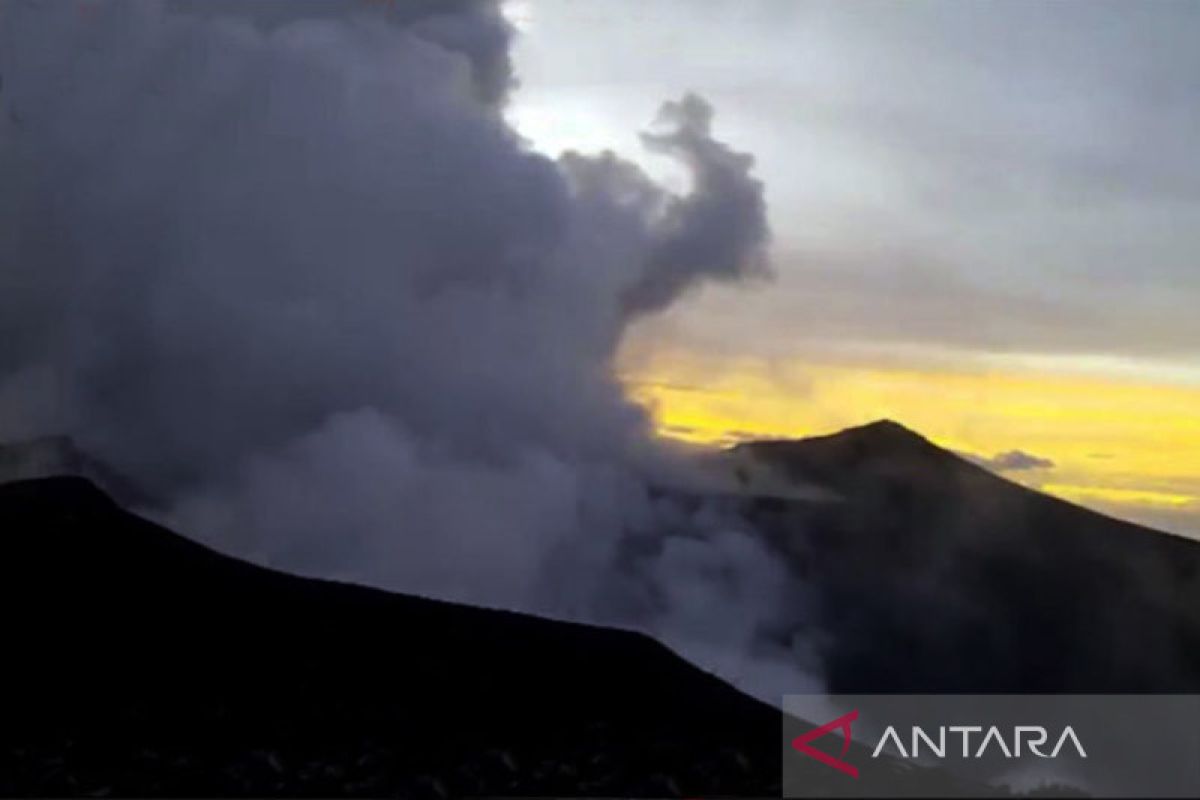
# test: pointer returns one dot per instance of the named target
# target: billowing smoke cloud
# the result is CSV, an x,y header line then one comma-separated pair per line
x,y
474,29
716,232
296,278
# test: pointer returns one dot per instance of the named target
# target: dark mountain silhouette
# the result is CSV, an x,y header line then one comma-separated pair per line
x,y
56,456
139,663
934,574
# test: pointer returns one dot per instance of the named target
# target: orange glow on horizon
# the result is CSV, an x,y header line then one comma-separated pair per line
x,y
1119,445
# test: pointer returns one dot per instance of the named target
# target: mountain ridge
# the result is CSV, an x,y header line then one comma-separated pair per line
x,y
147,664
143,664
932,573
881,439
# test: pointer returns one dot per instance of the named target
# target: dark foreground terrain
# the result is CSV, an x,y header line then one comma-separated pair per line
x,y
139,663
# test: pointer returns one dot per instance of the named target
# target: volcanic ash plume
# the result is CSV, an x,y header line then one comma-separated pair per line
x,y
295,278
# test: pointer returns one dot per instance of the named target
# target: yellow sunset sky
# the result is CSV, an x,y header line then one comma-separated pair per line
x,y
1120,445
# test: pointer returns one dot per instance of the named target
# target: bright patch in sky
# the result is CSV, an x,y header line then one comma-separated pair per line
x,y
984,222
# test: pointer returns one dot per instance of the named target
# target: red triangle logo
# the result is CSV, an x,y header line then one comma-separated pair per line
x,y
843,723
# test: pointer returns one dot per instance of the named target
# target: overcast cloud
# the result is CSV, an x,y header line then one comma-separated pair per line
x,y
986,176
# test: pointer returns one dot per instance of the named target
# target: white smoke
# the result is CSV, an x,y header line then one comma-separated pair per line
x,y
296,278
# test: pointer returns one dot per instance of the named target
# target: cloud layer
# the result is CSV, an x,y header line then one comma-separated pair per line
x,y
1003,177
1012,461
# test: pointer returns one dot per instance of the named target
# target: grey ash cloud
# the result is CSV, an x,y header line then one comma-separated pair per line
x,y
293,274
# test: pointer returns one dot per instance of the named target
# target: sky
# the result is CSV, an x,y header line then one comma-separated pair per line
x,y
985,219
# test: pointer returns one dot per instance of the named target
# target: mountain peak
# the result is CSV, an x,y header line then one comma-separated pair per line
x,y
881,438
883,448
884,431
60,457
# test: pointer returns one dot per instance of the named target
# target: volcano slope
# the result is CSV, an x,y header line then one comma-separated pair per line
x,y
138,663
929,573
